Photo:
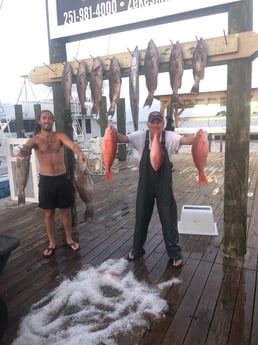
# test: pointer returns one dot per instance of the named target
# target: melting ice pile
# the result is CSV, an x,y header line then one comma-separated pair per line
x,y
92,308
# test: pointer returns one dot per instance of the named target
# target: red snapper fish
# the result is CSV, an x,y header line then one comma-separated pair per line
x,y
109,148
200,150
156,153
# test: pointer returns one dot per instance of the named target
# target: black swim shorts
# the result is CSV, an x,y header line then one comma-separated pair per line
x,y
55,192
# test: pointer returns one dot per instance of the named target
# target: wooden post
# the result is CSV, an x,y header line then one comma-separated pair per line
x,y
37,110
121,127
237,138
103,121
19,124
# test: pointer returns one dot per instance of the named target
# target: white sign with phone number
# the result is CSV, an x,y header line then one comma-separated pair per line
x,y
69,18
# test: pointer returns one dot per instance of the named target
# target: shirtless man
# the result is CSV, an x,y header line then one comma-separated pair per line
x,y
55,189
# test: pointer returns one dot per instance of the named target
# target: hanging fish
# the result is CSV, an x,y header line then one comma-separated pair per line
x,y
134,86
96,80
115,83
176,70
151,70
200,57
81,84
66,83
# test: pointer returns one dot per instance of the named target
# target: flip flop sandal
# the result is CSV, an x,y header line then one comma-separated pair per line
x,y
73,246
175,260
50,252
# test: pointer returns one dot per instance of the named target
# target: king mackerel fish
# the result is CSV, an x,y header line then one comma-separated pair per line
x,y
134,86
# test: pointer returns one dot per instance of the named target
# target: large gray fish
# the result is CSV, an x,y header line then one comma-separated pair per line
x,y
115,83
81,84
176,70
96,80
22,169
200,57
85,187
67,82
151,71
134,86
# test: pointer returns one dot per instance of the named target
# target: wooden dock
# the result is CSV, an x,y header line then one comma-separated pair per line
x,y
217,301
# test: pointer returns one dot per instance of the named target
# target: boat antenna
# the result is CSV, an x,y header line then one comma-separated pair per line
x,y
77,53
24,86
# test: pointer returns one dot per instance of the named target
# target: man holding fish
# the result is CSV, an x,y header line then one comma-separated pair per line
x,y
155,147
55,189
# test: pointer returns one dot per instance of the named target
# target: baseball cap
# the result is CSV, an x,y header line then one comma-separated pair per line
x,y
155,115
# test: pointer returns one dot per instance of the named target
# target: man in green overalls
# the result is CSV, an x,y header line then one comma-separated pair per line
x,y
155,147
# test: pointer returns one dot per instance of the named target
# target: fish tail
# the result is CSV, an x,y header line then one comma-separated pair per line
x,y
88,214
148,101
175,99
195,88
108,176
94,109
202,179
111,111
83,109
21,200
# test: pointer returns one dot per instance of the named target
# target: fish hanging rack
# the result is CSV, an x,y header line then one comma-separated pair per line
x,y
220,50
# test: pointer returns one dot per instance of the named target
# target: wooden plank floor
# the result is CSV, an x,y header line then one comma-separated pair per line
x,y
217,301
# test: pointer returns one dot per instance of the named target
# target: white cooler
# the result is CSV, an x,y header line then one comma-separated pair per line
x,y
197,220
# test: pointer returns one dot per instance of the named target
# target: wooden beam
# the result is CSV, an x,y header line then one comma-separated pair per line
x,y
189,100
220,50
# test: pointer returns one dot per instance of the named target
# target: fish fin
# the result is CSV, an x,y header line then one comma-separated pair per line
x,y
21,200
108,176
175,99
88,215
148,101
83,109
111,111
202,179
94,109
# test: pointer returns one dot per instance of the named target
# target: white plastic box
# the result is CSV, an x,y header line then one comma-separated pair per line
x,y
197,220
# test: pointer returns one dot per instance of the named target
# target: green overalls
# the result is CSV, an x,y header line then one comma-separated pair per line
x,y
156,185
